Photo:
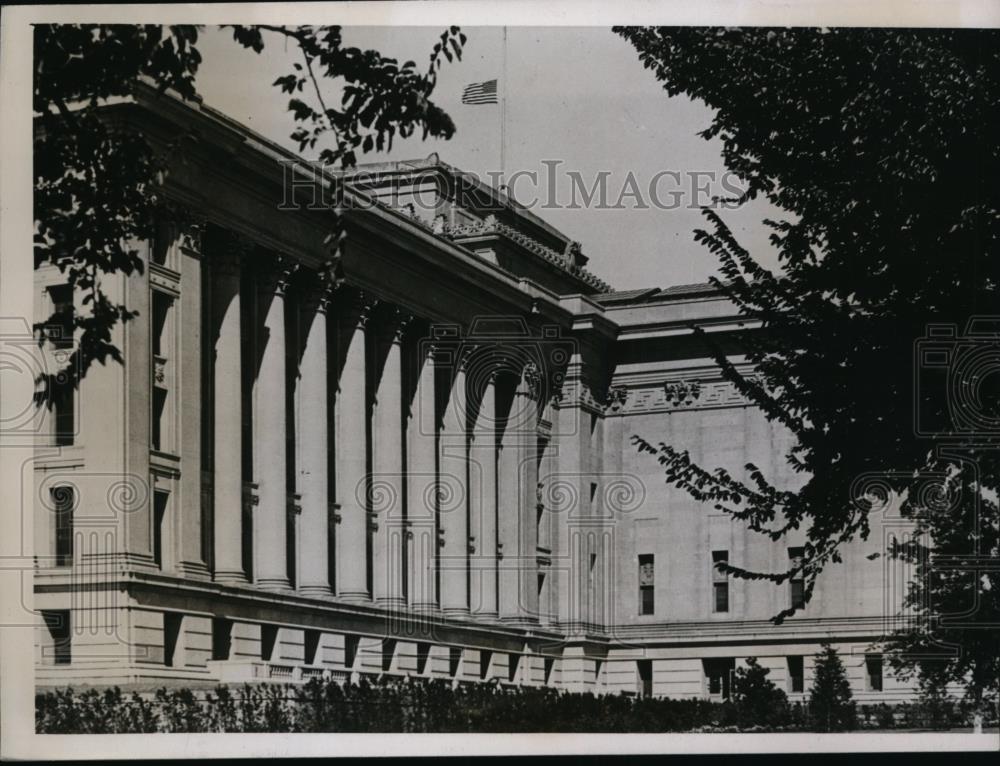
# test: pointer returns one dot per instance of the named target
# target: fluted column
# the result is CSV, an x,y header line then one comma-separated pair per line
x,y
453,507
227,382
483,502
227,425
312,449
517,480
352,451
387,483
422,485
269,429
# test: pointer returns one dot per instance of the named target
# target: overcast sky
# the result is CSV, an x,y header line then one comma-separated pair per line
x,y
575,96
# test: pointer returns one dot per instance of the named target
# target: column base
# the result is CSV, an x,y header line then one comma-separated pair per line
x,y
354,597
519,620
394,603
490,615
231,577
315,591
455,611
196,570
278,584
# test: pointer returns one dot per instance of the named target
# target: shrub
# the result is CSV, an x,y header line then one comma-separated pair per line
x,y
831,704
756,700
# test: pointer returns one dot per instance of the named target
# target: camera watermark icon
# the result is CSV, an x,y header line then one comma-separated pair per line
x,y
43,368
957,380
80,523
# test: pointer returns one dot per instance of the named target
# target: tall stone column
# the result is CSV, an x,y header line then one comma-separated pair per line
x,y
228,435
387,484
483,502
453,453
270,448
352,458
312,450
422,485
518,478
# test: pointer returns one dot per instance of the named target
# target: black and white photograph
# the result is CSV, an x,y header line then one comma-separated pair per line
x,y
595,379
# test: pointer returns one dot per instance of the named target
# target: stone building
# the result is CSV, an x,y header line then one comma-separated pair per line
x,y
396,437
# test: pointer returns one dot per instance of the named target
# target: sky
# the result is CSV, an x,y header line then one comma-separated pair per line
x,y
577,101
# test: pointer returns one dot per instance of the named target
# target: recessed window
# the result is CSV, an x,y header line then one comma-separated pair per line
x,y
513,661
311,646
63,502
719,675
60,328
485,655
268,640
172,622
873,671
64,412
423,653
797,586
159,516
796,674
454,661
644,672
647,584
720,582
222,638
350,650
58,625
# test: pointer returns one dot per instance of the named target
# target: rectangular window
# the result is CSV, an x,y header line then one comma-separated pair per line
x,y
161,385
644,669
172,622
513,660
222,638
311,646
268,640
63,408
797,582
796,674
61,335
423,653
63,501
57,623
720,582
63,316
350,650
485,655
159,514
873,668
454,661
647,584
719,675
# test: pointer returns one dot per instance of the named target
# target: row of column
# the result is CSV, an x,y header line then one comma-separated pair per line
x,y
444,505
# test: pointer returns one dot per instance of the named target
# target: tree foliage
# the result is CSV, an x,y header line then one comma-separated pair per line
x,y
97,183
879,145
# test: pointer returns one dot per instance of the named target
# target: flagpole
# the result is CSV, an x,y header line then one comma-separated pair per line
x,y
503,116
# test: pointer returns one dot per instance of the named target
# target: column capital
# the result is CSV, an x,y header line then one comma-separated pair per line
x,y
531,381
276,275
233,254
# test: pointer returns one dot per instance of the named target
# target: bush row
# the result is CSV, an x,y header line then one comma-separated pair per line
x,y
402,704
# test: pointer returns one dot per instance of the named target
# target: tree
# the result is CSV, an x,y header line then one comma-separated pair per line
x,y
831,704
756,698
878,144
97,184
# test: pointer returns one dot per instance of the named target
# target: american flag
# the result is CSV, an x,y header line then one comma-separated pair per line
x,y
480,93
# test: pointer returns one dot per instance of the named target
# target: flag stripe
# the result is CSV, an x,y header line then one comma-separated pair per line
x,y
480,93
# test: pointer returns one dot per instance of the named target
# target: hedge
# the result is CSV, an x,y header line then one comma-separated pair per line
x,y
393,704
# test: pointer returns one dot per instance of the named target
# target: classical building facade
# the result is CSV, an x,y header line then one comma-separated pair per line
x,y
394,435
